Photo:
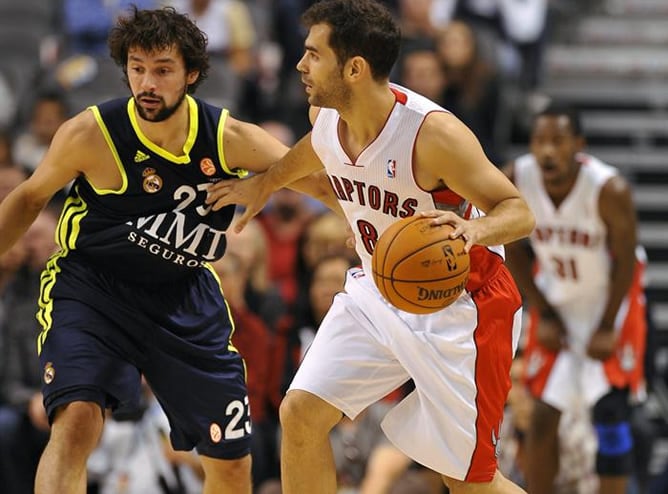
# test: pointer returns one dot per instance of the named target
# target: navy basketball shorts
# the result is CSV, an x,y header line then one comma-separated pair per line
x,y
101,335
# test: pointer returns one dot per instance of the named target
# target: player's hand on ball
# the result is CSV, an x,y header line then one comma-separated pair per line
x,y
462,228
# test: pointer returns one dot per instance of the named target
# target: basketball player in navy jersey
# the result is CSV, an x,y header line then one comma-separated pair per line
x,y
391,153
130,291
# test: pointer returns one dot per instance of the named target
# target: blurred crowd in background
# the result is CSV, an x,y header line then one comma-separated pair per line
x,y
481,59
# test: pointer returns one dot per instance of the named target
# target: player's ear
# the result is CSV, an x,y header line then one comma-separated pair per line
x,y
192,77
355,67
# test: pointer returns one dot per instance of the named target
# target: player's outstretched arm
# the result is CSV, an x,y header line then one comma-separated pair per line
x,y
254,192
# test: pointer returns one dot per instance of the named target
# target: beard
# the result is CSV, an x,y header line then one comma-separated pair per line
x,y
335,95
164,112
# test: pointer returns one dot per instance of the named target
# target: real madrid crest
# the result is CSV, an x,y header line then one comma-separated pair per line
x,y
152,181
49,373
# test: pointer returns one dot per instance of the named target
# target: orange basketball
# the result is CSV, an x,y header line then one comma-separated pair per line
x,y
417,267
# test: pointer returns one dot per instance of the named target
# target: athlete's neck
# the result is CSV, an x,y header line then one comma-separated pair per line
x,y
364,118
169,133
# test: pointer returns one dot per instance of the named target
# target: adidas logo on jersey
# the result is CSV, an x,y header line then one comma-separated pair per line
x,y
140,156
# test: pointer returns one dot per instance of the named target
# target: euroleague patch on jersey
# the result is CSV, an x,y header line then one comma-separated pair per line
x,y
152,181
49,373
207,167
215,432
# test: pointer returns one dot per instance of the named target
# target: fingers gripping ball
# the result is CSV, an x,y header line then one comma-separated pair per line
x,y
417,267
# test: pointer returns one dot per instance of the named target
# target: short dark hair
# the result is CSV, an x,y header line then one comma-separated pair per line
x,y
557,109
362,28
157,30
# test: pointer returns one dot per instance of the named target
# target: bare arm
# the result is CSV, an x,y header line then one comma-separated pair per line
x,y
250,147
63,162
318,186
448,154
300,162
618,212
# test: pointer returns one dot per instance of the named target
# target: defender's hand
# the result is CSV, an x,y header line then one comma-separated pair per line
x,y
248,192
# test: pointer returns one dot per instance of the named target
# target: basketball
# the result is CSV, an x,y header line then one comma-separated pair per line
x,y
417,267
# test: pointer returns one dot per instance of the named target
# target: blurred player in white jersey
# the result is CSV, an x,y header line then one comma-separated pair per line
x,y
582,278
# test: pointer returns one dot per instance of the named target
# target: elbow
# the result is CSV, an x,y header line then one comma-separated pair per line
x,y
527,220
31,202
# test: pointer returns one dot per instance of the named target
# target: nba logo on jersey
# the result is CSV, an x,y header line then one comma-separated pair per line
x,y
391,168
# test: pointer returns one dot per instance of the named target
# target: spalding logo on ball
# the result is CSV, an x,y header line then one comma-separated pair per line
x,y
417,267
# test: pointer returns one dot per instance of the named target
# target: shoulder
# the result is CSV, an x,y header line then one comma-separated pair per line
x,y
81,130
616,186
615,200
237,130
442,131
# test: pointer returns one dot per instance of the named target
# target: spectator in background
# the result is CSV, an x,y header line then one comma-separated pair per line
x,y
415,21
524,24
229,29
512,31
10,178
24,427
473,87
49,111
262,296
327,278
6,158
8,102
232,39
283,221
86,24
353,444
422,71
326,234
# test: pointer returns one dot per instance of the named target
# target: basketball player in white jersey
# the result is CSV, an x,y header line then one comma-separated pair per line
x,y
391,153
587,328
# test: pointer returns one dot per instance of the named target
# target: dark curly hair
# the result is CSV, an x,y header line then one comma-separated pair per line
x,y
160,29
362,28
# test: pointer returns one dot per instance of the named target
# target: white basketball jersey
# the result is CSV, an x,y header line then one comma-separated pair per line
x,y
379,187
570,242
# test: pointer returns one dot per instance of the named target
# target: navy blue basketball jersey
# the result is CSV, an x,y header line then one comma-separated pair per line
x,y
156,227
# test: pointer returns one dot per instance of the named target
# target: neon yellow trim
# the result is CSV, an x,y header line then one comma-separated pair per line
x,y
239,172
190,140
230,346
45,302
74,211
67,232
112,148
